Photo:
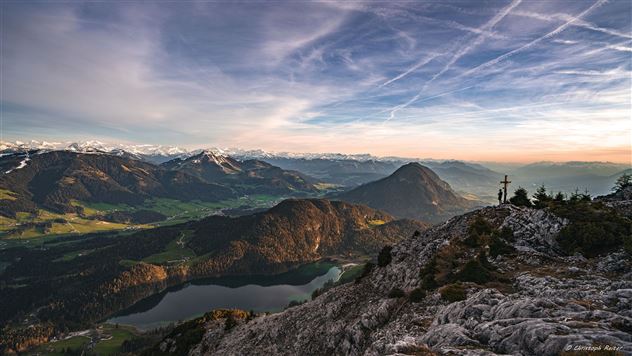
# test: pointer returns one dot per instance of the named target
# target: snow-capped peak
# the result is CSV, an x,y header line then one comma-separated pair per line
x,y
216,156
95,146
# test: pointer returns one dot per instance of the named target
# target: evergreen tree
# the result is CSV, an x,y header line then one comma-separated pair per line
x,y
521,198
622,182
384,258
230,322
541,198
559,197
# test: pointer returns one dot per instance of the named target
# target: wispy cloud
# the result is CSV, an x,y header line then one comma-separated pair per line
x,y
308,76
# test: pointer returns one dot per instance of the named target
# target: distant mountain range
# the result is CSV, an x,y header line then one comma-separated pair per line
x,y
345,172
596,177
253,176
54,180
467,178
413,191
150,153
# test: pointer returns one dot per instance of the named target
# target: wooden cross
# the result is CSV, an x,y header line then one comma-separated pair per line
x,y
505,183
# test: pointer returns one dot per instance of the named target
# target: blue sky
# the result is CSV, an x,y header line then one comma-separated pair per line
x,y
484,80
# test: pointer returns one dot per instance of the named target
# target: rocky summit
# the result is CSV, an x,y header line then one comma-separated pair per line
x,y
493,281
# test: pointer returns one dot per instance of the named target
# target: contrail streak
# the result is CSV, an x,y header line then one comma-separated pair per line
x,y
536,41
420,64
426,99
485,28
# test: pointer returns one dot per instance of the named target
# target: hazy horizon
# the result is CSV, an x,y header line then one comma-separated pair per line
x,y
62,144
505,81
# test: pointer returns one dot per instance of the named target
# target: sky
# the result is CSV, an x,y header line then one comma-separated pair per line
x,y
509,80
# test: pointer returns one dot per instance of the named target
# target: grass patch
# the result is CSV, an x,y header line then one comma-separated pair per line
x,y
175,251
7,195
128,263
453,292
113,345
58,348
376,222
89,220
44,222
325,186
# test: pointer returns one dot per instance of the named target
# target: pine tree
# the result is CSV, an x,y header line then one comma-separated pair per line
x,y
521,198
622,182
541,197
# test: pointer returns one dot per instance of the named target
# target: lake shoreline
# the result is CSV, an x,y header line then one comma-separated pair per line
x,y
262,295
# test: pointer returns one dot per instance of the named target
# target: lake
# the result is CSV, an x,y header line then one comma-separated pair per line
x,y
258,293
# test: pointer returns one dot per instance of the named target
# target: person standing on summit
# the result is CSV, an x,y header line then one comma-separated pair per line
x,y
500,196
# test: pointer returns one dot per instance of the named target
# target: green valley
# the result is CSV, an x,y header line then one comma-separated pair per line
x,y
93,217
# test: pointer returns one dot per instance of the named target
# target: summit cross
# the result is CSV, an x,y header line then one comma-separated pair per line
x,y
505,183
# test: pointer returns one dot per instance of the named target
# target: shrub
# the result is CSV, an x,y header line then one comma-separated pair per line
x,y
368,267
521,198
589,238
384,257
417,295
474,271
593,229
427,275
577,197
622,182
230,322
453,292
472,241
477,232
506,234
396,293
480,226
498,247
559,197
295,303
327,286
